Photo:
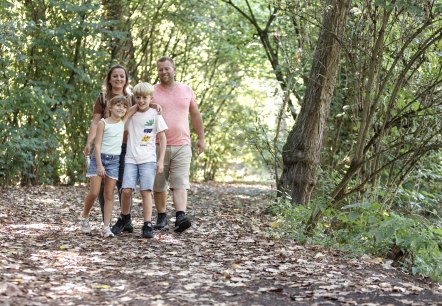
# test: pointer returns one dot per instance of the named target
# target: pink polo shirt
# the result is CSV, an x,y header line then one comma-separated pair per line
x,y
176,103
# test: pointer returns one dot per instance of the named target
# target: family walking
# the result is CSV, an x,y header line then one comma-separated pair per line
x,y
143,137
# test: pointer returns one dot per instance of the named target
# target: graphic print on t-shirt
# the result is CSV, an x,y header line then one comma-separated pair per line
x,y
147,129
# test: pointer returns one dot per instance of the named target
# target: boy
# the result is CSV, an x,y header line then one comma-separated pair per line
x,y
141,162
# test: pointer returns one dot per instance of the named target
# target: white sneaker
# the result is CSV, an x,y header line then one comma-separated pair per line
x,y
106,231
84,225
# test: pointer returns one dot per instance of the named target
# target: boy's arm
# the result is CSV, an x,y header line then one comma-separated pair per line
x,y
162,152
98,139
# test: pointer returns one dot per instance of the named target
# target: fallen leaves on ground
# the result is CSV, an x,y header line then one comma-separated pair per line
x,y
227,257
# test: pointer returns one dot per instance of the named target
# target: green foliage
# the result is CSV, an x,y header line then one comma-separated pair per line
x,y
412,242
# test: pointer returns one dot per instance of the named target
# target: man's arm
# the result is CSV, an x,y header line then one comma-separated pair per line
x,y
197,123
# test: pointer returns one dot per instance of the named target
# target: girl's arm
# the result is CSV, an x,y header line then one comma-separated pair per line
x,y
92,132
160,161
132,110
98,140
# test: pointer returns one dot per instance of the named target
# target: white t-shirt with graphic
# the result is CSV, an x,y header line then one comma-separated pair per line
x,y
143,128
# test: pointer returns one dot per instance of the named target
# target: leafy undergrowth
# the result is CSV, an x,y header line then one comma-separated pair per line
x,y
227,257
408,242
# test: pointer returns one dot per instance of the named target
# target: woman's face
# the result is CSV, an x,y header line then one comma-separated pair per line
x,y
117,80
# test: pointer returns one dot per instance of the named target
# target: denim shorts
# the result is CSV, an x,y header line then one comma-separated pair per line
x,y
111,164
145,173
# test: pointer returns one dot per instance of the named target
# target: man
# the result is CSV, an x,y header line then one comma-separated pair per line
x,y
178,103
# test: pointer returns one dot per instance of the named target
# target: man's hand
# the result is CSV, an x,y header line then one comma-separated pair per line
x,y
201,146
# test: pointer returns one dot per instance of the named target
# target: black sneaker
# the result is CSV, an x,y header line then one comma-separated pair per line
x,y
147,231
122,222
129,227
161,222
182,223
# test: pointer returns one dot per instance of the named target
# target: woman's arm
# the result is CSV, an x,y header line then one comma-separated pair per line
x,y
132,110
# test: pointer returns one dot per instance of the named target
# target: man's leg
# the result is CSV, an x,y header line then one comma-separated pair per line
x,y
180,199
160,193
179,183
160,204
180,202
160,201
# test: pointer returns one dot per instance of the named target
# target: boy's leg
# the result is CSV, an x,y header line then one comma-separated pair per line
x,y
147,177
147,230
147,205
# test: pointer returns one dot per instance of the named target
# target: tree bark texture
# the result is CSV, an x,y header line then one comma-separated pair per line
x,y
302,150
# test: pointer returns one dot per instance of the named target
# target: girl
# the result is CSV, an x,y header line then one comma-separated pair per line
x,y
105,161
115,83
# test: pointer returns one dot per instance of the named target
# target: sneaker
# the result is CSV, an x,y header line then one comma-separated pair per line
x,y
181,224
84,225
161,222
147,231
106,231
129,227
121,224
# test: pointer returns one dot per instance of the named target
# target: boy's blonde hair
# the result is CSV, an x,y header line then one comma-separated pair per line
x,y
143,89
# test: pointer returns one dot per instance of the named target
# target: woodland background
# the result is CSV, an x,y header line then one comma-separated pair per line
x,y
368,169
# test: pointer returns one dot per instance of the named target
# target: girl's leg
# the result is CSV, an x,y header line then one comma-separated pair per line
x,y
109,187
146,196
92,195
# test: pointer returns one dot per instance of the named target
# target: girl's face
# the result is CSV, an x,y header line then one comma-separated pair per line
x,y
117,80
118,110
143,102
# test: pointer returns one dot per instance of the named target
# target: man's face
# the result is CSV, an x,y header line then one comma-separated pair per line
x,y
166,72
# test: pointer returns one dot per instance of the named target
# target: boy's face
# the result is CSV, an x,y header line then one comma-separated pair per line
x,y
143,102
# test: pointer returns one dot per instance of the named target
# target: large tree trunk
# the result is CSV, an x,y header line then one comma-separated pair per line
x,y
302,150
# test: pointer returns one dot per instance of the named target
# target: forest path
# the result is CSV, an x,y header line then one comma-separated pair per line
x,y
225,258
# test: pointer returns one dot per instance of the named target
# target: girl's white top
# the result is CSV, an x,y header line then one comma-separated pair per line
x,y
112,138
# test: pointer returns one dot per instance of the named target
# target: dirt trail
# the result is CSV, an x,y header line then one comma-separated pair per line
x,y
226,258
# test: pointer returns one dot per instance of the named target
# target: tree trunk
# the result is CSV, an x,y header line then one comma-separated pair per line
x,y
302,150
